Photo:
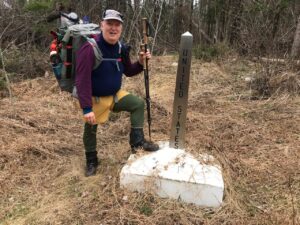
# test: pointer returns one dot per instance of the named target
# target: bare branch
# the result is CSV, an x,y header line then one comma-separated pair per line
x,y
156,29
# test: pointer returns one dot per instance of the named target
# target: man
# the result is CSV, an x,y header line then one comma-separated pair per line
x,y
99,89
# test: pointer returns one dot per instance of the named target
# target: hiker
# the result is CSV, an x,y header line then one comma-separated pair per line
x,y
99,90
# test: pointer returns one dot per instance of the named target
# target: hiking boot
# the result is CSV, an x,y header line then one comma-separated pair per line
x,y
91,163
91,169
137,141
148,146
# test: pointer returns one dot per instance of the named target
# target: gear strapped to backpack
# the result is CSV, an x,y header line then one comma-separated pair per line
x,y
63,52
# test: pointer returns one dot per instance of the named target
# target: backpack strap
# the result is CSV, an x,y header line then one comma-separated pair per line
x,y
97,52
120,47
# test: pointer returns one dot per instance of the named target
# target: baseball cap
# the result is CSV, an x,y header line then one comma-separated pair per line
x,y
111,14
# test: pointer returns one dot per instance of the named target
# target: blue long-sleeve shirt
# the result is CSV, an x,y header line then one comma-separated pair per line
x,y
106,79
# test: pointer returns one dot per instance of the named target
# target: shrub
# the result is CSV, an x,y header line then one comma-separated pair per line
x,y
210,52
24,62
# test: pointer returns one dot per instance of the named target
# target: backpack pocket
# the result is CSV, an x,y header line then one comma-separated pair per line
x,y
57,70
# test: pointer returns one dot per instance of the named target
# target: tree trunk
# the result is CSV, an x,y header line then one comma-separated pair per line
x,y
191,17
296,44
234,31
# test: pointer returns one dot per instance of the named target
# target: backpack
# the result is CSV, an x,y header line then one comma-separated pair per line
x,y
63,51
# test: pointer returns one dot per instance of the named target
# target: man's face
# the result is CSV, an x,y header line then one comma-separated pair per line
x,y
111,30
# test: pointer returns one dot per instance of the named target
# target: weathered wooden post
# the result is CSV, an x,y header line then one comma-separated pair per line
x,y
177,137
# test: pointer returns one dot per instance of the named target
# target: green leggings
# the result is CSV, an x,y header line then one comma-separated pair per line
x,y
129,103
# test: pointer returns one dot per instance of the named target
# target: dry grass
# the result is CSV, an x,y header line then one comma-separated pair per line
x,y
256,142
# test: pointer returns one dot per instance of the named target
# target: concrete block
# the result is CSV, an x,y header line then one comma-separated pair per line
x,y
174,173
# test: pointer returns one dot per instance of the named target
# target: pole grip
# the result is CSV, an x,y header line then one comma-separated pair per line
x,y
145,30
142,47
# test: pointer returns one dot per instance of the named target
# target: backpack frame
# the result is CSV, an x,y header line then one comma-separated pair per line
x,y
68,43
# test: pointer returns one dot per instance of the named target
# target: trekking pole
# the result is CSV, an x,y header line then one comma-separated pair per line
x,y
144,47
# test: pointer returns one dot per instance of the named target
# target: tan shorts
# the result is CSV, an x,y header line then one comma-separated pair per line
x,y
102,106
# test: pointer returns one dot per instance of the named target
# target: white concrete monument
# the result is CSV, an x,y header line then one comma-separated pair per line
x,y
171,172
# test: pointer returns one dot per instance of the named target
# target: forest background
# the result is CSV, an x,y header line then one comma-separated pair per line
x,y
260,28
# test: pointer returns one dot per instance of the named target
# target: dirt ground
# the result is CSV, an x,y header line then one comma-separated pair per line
x,y
256,141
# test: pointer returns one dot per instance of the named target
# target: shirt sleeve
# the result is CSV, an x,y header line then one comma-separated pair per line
x,y
131,69
83,80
